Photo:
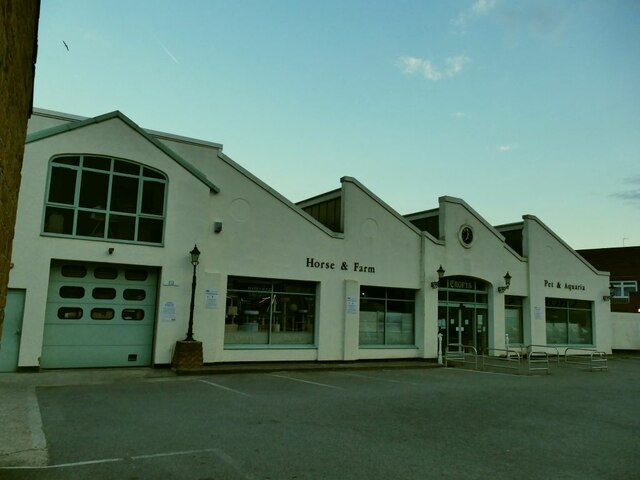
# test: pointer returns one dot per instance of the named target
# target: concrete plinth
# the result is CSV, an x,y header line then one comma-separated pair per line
x,y
187,355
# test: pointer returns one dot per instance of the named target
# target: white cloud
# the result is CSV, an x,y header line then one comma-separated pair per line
x,y
455,65
459,115
505,148
452,66
479,8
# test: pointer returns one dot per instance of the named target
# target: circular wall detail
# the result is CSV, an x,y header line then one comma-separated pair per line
x,y
466,236
370,228
240,209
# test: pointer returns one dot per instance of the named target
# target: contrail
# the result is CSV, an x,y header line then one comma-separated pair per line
x,y
168,52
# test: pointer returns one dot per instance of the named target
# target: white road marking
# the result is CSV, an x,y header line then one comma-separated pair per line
x,y
305,381
218,452
225,388
377,378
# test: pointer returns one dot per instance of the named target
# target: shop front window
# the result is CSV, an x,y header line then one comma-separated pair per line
x,y
270,312
387,316
513,319
569,322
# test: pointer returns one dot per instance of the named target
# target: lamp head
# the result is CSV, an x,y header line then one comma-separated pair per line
x,y
195,255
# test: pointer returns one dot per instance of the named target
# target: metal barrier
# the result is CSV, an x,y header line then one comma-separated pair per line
x,y
587,357
537,361
502,358
461,354
546,347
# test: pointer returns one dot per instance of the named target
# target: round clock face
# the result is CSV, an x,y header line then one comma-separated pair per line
x,y
466,235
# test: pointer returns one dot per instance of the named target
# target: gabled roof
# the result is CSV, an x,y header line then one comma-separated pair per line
x,y
68,127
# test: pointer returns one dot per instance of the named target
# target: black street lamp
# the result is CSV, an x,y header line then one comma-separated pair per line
x,y
195,256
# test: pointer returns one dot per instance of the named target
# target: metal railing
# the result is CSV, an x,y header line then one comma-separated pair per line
x,y
586,357
537,361
546,350
459,353
501,358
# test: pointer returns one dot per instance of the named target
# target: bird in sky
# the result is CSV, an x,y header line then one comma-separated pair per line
x,y
65,45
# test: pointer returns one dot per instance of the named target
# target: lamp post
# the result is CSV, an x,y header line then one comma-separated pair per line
x,y
195,256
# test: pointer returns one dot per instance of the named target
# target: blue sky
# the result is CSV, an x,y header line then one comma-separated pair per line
x,y
518,107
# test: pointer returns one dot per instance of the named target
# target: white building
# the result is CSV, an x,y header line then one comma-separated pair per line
x,y
101,276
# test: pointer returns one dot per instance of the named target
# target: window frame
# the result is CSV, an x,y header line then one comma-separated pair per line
x,y
76,213
388,297
566,306
622,286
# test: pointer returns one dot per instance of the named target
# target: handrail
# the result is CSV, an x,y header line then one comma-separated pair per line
x,y
460,355
506,360
537,361
597,359
549,347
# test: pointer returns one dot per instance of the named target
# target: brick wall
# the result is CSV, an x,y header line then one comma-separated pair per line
x,y
18,45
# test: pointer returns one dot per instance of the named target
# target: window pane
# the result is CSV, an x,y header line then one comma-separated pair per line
x,y
67,160
373,292
90,224
104,293
70,313
147,172
153,198
58,220
62,187
99,163
124,194
105,273
556,326
371,327
71,292
74,271
150,230
580,332
134,294
513,324
138,275
132,314
399,323
122,227
102,313
121,166
93,190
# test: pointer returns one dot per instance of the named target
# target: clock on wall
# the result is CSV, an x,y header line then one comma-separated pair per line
x,y
465,235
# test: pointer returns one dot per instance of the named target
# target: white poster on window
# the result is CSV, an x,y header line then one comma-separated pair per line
x,y
211,296
169,312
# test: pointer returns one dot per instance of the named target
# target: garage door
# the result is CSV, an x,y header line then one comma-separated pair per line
x,y
99,315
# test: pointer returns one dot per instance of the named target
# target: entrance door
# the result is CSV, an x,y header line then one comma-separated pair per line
x,y
11,331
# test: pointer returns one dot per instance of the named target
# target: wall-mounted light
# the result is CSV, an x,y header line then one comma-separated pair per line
x,y
440,275
111,250
612,290
217,227
507,283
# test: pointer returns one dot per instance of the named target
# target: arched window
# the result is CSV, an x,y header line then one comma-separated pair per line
x,y
90,196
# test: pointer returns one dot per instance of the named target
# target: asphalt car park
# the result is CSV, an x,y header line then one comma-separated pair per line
x,y
346,424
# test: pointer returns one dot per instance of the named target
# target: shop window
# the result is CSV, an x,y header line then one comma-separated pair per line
x,y
102,293
132,314
269,312
569,322
107,198
74,271
513,319
71,292
134,294
387,316
70,313
102,313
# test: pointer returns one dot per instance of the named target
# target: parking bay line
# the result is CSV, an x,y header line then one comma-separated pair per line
x,y
305,381
224,388
216,451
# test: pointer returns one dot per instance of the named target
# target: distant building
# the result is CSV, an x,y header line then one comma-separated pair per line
x,y
18,47
109,211
623,265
